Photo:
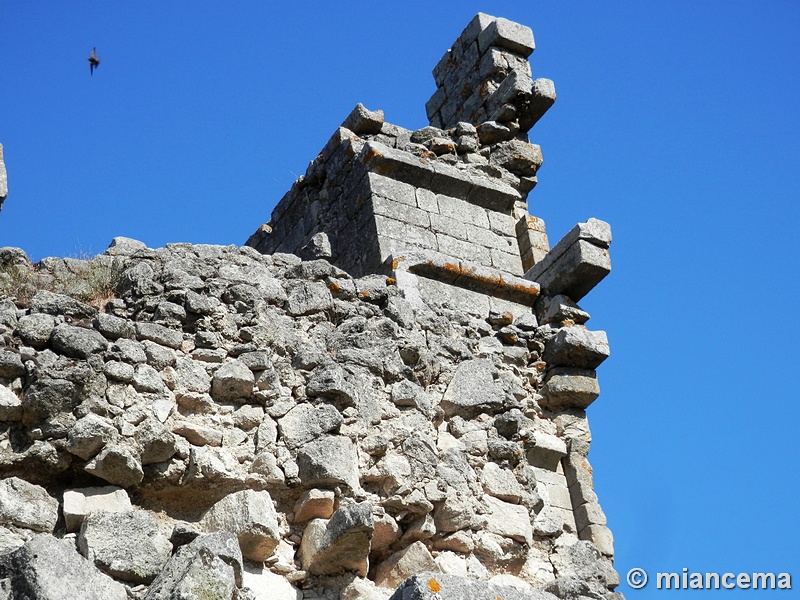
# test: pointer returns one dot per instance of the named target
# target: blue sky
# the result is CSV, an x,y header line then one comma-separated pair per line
x,y
676,122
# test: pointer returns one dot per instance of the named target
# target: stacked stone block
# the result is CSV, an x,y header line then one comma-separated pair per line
x,y
378,195
369,199
486,76
577,263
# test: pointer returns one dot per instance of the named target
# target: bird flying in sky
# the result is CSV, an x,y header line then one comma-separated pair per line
x,y
94,61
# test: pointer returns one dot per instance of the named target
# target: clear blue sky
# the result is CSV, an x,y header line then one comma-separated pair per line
x,y
677,122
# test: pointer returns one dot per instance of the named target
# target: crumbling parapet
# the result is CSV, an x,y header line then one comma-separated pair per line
x,y
377,192
444,205
486,77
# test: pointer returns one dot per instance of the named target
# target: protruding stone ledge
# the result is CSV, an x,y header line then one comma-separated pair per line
x,y
576,346
566,387
577,263
545,451
509,35
446,269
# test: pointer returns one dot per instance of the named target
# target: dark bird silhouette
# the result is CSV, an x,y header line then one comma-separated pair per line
x,y
94,62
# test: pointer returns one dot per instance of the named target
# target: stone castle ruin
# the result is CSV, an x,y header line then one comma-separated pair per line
x,y
382,394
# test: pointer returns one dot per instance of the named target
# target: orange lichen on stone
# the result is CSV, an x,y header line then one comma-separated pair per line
x,y
391,281
333,287
434,586
372,154
396,262
450,268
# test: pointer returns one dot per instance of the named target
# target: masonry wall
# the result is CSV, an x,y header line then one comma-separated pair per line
x,y
304,432
383,394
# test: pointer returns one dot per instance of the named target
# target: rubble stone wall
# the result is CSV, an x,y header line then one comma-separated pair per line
x,y
383,394
342,438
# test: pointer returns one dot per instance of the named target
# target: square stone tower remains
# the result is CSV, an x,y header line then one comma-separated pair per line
x,y
443,209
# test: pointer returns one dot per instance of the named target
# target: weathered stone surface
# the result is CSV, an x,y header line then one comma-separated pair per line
x,y
119,371
11,540
263,584
191,376
27,505
147,379
582,560
472,390
362,589
508,520
78,503
197,433
577,347
329,381
600,536
58,304
251,516
77,342
507,34
328,461
404,564
89,435
314,504
208,568
566,387
46,397
46,568
156,442
420,586
362,121
159,334
35,329
158,356
233,381
560,310
339,544
10,405
118,465
521,158
308,297
456,513
408,394
306,422
577,263
124,246
126,545
545,450
501,483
